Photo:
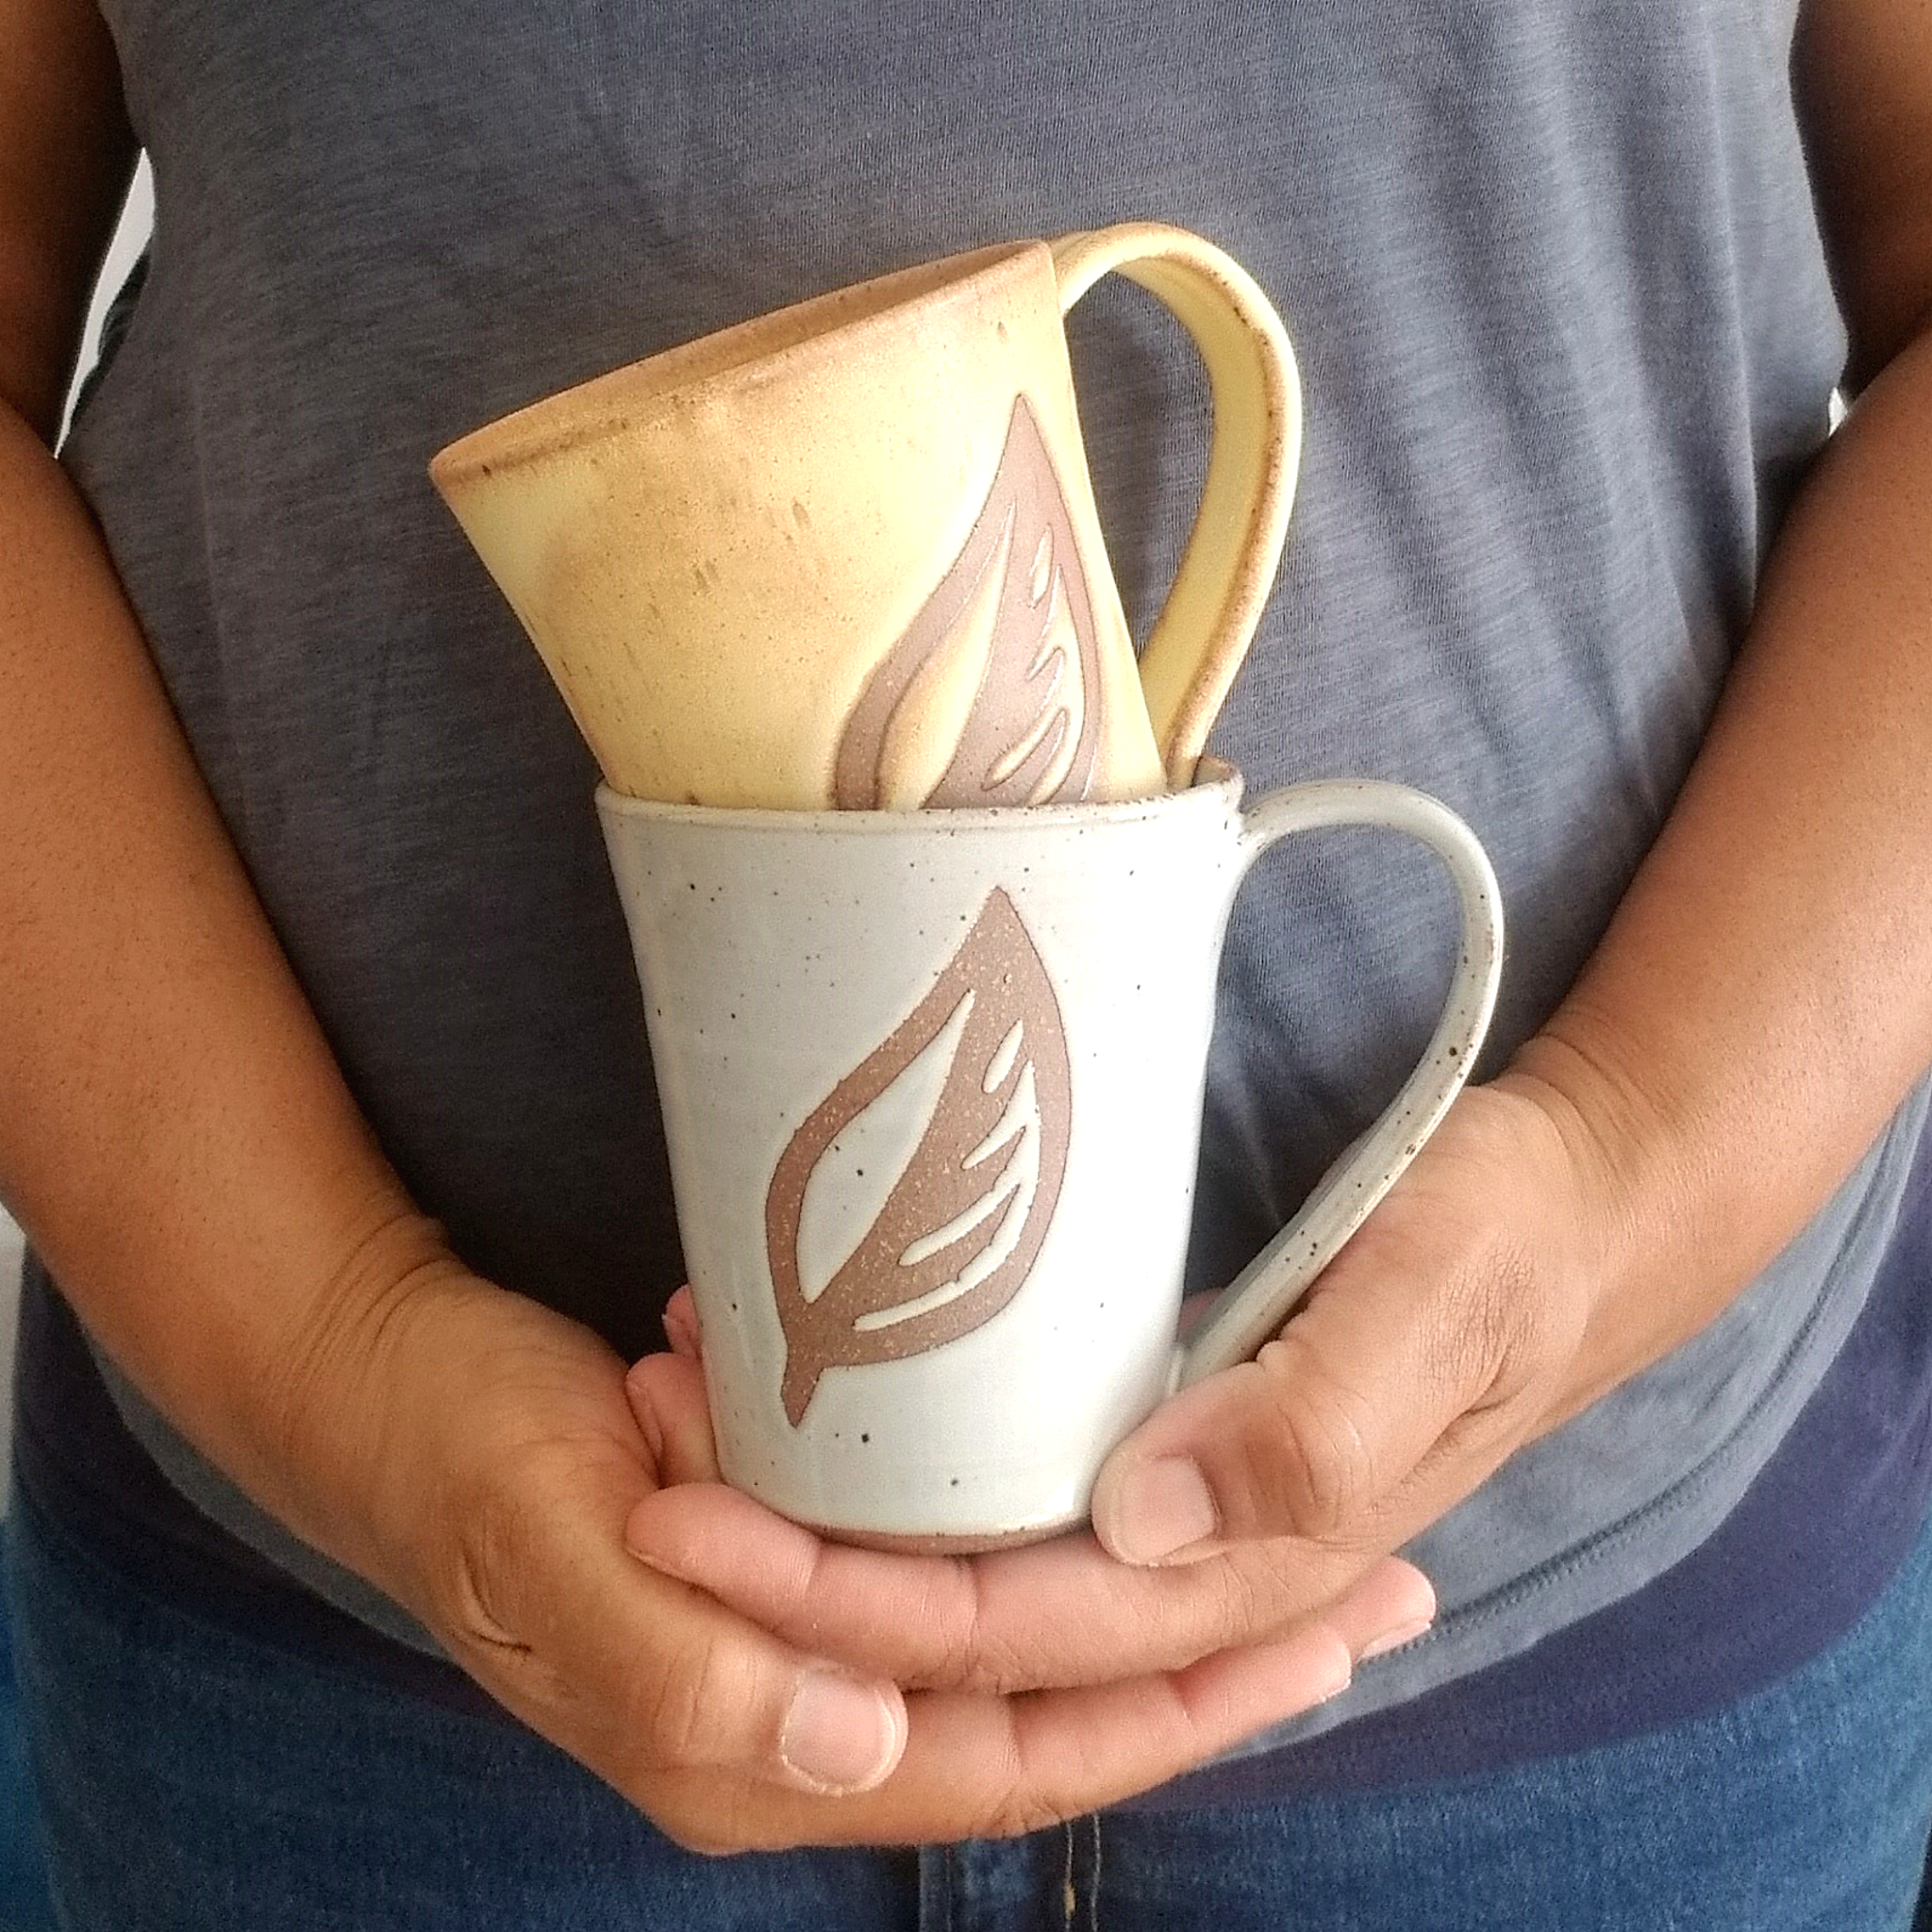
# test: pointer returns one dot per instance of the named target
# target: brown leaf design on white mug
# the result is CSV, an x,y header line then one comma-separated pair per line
x,y
1013,609
962,1221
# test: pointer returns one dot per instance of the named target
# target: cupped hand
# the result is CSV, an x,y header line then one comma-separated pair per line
x,y
1450,1330
513,1462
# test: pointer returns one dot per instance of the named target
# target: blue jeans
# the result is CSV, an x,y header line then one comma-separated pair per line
x,y
25,1906
194,1777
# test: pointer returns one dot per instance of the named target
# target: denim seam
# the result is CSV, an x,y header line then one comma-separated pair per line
x,y
1094,1877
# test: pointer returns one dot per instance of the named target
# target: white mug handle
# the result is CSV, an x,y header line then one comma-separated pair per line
x,y
1253,1305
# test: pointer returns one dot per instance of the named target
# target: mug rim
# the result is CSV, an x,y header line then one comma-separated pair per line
x,y
1215,784
639,391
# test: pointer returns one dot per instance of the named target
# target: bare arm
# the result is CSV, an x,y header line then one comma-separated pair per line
x,y
174,1134
1764,997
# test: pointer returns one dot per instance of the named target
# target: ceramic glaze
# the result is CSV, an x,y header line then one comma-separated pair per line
x,y
847,554
932,1084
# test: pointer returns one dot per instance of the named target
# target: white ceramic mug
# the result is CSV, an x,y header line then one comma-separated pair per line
x,y
932,1084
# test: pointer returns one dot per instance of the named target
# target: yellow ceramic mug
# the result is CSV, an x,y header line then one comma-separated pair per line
x,y
846,555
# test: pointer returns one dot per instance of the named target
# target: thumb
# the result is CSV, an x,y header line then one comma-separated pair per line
x,y
1339,1431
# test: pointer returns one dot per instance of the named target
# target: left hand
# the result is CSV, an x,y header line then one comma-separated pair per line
x,y
1450,1330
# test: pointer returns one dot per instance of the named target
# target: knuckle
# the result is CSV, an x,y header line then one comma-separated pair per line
x,y
1241,1601
1050,1773
483,1564
477,1610
962,1648
1288,1581
991,1671
954,1612
1020,1809
1313,1467
983,1664
679,1719
1502,1331
1023,1818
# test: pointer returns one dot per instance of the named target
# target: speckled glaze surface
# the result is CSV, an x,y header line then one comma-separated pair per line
x,y
846,555
932,1083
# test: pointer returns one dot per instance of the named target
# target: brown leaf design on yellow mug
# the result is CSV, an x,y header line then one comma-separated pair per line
x,y
1012,617
964,1220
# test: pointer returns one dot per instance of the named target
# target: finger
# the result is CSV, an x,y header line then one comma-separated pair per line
x,y
981,1766
1000,1767
1392,1603
1057,1614
1320,1436
681,1327
666,1393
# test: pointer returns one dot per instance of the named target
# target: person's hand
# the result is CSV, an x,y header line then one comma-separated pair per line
x,y
1461,1321
1449,1330
509,1461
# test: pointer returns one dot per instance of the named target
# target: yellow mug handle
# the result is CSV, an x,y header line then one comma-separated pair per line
x,y
1204,627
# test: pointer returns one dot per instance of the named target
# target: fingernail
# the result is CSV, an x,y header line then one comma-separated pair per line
x,y
1395,1639
1339,1681
839,1735
1160,1508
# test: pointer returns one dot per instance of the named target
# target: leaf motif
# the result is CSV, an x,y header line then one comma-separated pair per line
x,y
963,1222
1031,733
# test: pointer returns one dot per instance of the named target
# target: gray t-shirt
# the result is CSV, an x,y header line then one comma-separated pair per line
x,y
1566,335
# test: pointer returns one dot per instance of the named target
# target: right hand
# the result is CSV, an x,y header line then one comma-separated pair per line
x,y
506,1457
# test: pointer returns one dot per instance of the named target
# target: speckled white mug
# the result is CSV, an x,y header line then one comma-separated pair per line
x,y
932,1084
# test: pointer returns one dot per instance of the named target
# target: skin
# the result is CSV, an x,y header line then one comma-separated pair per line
x,y
180,1146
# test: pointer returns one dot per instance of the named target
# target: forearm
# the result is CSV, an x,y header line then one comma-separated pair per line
x,y
174,1134
1762,1000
